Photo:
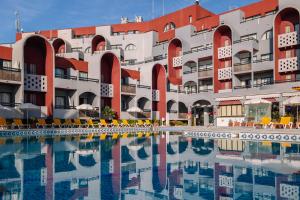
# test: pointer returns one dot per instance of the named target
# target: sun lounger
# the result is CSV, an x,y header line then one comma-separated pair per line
x,y
56,123
18,123
265,122
41,123
284,123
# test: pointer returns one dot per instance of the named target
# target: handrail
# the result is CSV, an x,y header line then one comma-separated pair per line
x,y
65,77
89,79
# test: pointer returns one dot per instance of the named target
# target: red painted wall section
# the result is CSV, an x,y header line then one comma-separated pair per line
x,y
111,73
287,17
222,34
91,30
5,53
162,169
159,83
71,62
98,43
38,51
174,50
116,175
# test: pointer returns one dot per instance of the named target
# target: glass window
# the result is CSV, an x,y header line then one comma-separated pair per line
x,y
59,72
230,111
267,35
287,29
5,97
169,26
83,75
60,101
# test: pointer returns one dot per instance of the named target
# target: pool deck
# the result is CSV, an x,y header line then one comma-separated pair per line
x,y
243,133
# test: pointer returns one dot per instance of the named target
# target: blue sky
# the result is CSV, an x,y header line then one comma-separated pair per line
x,y
57,14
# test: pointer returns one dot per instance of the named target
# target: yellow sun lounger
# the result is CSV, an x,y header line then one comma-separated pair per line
x,y
103,123
264,122
284,123
41,123
18,123
125,123
3,123
56,123
68,123
115,123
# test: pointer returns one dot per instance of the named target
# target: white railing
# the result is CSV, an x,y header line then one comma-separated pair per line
x,y
224,52
288,39
107,90
177,61
288,64
155,95
37,83
225,73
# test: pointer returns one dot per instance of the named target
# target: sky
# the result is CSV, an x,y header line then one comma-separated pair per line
x,y
57,14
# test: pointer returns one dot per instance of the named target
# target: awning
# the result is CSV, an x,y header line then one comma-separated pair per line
x,y
71,62
130,73
231,102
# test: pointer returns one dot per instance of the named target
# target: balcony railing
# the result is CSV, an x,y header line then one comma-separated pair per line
x,y
242,67
288,39
128,89
63,76
224,52
225,73
205,88
66,107
172,90
10,74
242,87
288,64
9,104
144,86
33,82
155,95
205,73
107,90
177,61
88,79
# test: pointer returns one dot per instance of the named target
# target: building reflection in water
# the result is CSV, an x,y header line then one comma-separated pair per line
x,y
162,167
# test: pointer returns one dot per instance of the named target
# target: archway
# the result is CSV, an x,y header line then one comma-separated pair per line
x,y
159,92
202,113
110,82
98,43
38,66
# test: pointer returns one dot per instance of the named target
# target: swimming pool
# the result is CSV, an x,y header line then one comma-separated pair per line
x,y
163,166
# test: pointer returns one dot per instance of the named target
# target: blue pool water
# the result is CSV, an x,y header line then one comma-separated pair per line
x,y
159,167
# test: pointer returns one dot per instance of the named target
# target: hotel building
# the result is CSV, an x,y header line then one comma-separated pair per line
x,y
189,61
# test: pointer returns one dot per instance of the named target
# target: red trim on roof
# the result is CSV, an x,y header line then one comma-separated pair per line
x,y
71,62
91,30
130,73
230,102
5,53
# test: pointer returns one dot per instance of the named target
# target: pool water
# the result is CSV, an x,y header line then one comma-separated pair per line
x,y
168,166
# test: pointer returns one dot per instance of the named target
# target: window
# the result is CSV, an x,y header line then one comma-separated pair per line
x,y
226,43
288,77
60,101
288,54
30,68
287,29
5,64
59,72
169,26
30,98
5,98
83,75
190,19
266,56
227,85
249,37
130,47
230,111
267,35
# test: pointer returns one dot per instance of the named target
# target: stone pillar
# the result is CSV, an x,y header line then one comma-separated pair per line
x,y
206,116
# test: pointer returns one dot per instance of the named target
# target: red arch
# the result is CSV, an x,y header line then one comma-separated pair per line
x,y
222,34
98,43
38,51
159,83
110,74
174,50
59,45
286,17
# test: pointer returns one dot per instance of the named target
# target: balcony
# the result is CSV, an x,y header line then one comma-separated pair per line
x,y
206,73
288,39
10,74
107,90
88,79
177,61
242,67
288,64
155,95
224,52
37,83
205,88
129,89
67,77
225,73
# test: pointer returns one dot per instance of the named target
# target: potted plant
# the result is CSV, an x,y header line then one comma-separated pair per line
x,y
108,113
